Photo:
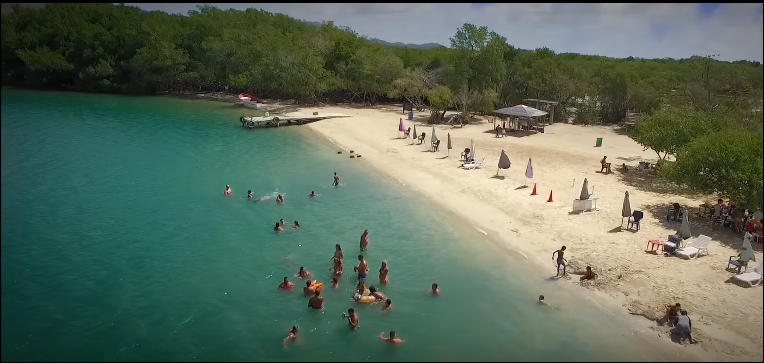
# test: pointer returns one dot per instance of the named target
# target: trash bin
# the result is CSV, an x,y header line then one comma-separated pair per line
x,y
599,142
411,115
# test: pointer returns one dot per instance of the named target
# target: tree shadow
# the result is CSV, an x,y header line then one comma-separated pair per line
x,y
699,225
652,183
630,158
620,130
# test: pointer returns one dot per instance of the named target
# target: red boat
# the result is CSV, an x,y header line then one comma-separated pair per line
x,y
249,97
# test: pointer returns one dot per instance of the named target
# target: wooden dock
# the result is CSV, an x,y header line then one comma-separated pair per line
x,y
287,119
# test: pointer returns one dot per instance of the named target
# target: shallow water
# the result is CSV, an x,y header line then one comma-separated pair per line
x,y
118,245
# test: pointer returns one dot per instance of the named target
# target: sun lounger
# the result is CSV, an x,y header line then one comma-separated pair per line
x,y
750,279
734,262
698,246
477,164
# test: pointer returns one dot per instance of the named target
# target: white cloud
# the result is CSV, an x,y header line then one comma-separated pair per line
x,y
617,30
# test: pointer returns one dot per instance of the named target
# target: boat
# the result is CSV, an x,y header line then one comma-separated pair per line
x,y
249,101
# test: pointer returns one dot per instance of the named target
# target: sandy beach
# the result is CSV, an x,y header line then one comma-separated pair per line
x,y
727,319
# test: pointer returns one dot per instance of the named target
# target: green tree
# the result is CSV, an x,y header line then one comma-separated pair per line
x,y
728,163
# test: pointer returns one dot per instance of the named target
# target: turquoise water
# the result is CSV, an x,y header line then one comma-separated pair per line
x,y
118,245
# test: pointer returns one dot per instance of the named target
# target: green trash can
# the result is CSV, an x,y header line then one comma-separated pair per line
x,y
599,142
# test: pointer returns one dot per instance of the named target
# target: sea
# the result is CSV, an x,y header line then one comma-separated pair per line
x,y
118,244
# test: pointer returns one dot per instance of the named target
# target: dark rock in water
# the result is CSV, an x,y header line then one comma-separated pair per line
x,y
359,155
339,152
351,151
315,113
352,156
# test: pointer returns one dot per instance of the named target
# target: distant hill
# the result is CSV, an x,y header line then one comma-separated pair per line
x,y
410,45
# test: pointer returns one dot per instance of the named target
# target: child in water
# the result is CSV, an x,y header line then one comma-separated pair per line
x,y
292,335
335,283
388,305
296,225
542,301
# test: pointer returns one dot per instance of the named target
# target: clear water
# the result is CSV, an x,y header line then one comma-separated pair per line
x,y
118,245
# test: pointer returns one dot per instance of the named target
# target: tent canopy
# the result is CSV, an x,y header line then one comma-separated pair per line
x,y
521,111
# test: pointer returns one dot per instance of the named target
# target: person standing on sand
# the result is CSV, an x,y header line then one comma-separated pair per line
x,y
392,340
336,181
683,327
383,271
362,268
317,301
560,260
228,191
364,239
352,317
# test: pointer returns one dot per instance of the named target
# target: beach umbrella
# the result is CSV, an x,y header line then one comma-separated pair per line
x,y
746,252
626,210
414,134
433,138
401,127
585,195
504,162
449,144
472,150
684,230
528,171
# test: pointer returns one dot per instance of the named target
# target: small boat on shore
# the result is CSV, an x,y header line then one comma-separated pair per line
x,y
249,101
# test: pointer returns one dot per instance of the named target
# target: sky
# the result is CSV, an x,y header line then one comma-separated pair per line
x,y
731,31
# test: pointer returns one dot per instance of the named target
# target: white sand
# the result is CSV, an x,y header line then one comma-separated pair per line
x,y
727,319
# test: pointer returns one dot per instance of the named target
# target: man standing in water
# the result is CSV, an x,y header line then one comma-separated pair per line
x,y
364,239
362,268
317,301
336,181
392,340
560,260
228,191
352,319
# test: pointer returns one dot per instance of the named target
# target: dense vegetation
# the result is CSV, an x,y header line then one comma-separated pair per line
x,y
108,48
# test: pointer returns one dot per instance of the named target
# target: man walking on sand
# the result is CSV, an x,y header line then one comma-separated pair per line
x,y
560,260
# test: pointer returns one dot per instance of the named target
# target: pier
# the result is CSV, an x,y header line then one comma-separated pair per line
x,y
288,119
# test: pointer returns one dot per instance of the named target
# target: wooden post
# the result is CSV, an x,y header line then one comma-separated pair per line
x,y
551,114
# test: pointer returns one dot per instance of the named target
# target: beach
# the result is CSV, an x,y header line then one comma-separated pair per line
x,y
727,318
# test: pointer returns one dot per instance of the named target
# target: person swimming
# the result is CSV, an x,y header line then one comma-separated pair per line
x,y
388,305
362,268
282,222
317,301
359,290
352,318
279,199
312,194
249,194
392,340
336,181
302,273
364,239
296,225
228,191
338,252
337,269
292,335
335,283
286,285
378,295
277,227
542,301
383,271
435,289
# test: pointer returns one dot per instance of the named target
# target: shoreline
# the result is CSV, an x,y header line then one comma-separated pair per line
x,y
473,206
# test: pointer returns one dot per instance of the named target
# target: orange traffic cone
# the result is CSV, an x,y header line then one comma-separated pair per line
x,y
534,189
550,197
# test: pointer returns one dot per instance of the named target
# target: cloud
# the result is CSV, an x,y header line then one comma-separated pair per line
x,y
733,31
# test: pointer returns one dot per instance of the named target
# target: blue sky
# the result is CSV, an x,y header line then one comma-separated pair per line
x,y
733,31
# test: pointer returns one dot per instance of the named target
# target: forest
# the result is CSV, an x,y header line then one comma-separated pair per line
x,y
121,49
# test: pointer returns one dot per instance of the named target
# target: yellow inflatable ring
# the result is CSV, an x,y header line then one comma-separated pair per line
x,y
365,298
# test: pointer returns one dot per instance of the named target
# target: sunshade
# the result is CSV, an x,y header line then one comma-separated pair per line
x,y
585,194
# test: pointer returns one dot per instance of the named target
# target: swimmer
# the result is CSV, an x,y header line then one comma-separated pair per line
x,y
308,289
337,268
302,273
392,340
286,285
561,261
277,227
435,289
296,225
383,273
338,252
335,283
388,305
378,295
364,239
312,194
292,335
362,268
228,191
336,181
282,223
249,194
359,289
280,199
542,301
317,301
352,319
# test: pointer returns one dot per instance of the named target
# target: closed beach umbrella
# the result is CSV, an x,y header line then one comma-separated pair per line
x,y
434,138
401,127
684,230
528,171
414,134
585,194
504,162
626,210
746,253
449,144
472,149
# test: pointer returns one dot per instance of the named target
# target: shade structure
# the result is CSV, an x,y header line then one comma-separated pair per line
x,y
449,146
585,193
521,111
626,210
684,230
433,138
504,162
